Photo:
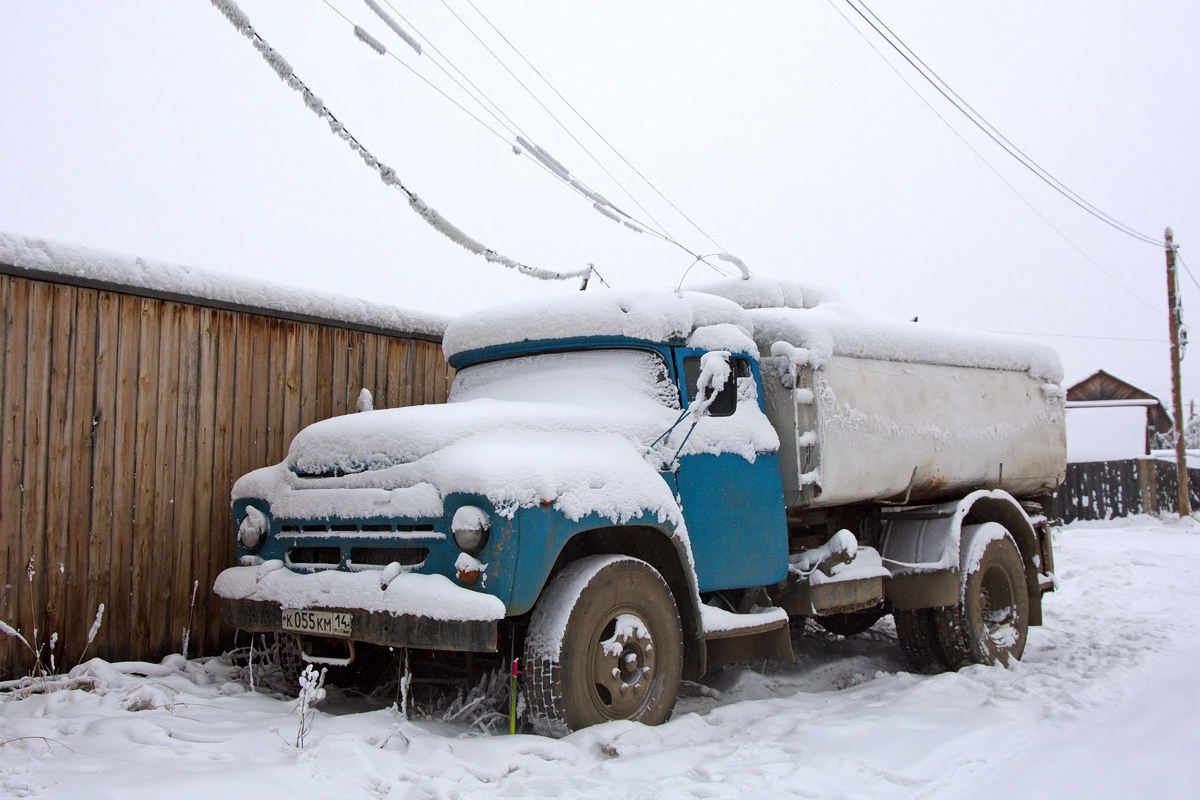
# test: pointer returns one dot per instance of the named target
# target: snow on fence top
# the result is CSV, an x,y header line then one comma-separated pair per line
x,y
654,316
100,269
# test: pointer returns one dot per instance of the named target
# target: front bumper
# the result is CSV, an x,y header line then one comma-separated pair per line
x,y
428,612
404,630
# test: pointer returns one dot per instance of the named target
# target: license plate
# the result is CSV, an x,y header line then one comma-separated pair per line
x,y
317,623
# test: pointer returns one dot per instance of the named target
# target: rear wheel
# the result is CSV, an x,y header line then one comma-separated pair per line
x,y
604,643
991,621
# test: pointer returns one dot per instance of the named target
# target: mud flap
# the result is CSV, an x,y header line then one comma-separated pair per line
x,y
772,641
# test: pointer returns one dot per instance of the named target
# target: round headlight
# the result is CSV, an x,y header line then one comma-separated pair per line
x,y
470,527
252,529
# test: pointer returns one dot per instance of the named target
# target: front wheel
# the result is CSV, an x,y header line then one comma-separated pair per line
x,y
604,643
991,621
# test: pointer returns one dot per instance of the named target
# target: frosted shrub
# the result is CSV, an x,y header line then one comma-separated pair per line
x,y
312,691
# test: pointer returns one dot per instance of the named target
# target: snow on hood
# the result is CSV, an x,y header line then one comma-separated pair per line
x,y
653,316
457,449
105,268
834,330
376,440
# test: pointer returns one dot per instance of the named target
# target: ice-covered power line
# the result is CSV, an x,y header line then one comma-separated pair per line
x,y
592,128
283,69
522,143
541,157
978,120
554,117
395,26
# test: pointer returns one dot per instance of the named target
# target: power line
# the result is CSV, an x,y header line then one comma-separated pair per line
x,y
540,157
592,128
513,127
429,83
538,100
1186,268
1084,336
236,17
988,164
897,44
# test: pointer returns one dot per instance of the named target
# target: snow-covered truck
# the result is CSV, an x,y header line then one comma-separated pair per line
x,y
628,489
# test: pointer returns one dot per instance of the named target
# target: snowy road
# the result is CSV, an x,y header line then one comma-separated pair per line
x,y
1105,704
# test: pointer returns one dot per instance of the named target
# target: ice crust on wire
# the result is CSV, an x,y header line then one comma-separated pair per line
x,y
112,269
388,175
395,26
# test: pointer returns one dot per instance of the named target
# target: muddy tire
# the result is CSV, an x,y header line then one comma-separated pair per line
x,y
991,621
917,632
853,623
604,643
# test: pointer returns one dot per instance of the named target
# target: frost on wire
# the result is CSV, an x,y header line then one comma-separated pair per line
x,y
283,69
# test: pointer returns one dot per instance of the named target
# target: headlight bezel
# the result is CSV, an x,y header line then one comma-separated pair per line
x,y
471,527
253,528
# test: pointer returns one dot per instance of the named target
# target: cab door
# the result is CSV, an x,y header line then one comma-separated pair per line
x,y
733,505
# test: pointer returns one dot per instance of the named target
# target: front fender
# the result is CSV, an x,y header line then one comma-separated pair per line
x,y
546,533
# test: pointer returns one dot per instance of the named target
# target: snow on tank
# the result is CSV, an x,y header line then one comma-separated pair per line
x,y
818,326
871,410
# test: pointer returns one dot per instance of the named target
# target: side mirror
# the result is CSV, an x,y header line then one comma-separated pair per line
x,y
711,384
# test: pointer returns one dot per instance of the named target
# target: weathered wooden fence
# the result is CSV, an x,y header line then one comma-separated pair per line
x,y
1107,489
125,420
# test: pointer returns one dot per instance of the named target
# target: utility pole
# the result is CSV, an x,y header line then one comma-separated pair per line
x,y
1176,320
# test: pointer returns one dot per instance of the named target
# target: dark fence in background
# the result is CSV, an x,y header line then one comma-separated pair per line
x,y
1107,489
124,420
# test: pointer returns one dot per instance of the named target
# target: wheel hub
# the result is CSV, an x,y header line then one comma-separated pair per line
x,y
623,665
998,607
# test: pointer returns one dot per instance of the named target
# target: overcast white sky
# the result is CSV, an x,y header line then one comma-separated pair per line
x,y
154,129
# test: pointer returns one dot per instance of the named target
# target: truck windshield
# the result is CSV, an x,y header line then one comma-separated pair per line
x,y
595,378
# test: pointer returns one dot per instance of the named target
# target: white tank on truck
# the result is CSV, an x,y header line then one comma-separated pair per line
x,y
870,410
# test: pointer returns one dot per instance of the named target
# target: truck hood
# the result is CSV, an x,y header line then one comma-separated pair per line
x,y
377,440
476,450
582,459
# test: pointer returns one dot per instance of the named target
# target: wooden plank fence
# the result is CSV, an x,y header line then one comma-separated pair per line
x,y
1108,489
124,421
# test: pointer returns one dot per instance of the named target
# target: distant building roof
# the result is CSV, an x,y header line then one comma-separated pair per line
x,y
1102,389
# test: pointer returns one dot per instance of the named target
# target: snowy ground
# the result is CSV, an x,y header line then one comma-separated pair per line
x,y
1104,705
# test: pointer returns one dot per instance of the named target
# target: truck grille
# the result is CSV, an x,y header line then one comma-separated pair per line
x,y
314,556
351,528
382,556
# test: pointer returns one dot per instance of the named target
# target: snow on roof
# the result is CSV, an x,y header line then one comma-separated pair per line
x,y
654,316
175,281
